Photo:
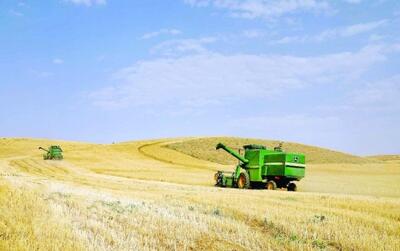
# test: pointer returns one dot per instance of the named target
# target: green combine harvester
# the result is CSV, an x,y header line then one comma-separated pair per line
x,y
53,153
262,167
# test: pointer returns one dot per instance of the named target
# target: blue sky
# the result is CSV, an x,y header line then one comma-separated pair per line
x,y
324,73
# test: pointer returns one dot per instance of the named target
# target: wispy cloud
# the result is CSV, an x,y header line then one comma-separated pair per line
x,y
58,61
351,30
215,78
347,31
179,47
262,8
381,95
87,2
161,32
372,102
41,74
252,33
310,126
15,13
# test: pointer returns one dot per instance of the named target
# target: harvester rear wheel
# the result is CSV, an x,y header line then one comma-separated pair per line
x,y
271,185
292,187
243,181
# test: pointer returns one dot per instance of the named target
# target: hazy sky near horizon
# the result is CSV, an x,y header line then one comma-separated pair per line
x,y
324,73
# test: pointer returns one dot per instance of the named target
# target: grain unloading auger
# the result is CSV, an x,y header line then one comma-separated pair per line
x,y
262,167
53,153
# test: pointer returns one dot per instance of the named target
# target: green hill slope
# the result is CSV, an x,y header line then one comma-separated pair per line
x,y
204,148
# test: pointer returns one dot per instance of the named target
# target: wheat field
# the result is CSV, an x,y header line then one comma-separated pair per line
x,y
159,195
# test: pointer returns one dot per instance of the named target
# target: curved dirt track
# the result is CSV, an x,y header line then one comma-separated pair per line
x,y
158,151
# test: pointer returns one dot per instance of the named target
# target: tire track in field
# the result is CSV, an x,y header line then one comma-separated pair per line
x,y
160,144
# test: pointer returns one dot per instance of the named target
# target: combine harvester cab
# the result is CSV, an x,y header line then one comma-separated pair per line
x,y
262,167
53,153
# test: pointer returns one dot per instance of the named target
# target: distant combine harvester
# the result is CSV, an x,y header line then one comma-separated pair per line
x,y
262,167
53,153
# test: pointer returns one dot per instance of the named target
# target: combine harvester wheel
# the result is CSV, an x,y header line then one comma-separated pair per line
x,y
292,187
244,181
271,185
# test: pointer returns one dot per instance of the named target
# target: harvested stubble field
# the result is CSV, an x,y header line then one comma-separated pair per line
x,y
158,195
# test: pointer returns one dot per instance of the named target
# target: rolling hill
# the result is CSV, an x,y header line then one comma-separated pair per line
x,y
159,194
392,158
204,148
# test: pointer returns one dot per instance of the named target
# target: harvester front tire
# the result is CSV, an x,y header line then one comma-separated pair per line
x,y
218,179
243,181
271,185
292,187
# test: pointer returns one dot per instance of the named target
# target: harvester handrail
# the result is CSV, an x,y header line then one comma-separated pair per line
x,y
232,152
